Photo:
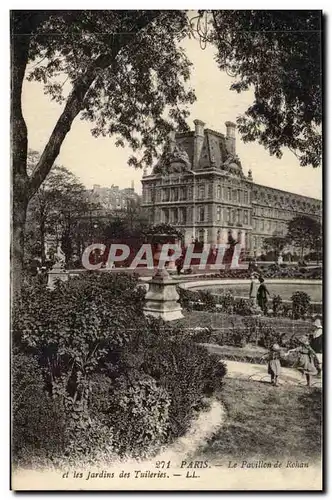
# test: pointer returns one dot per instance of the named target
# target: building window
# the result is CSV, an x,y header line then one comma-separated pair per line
x,y
218,192
229,194
175,216
165,215
234,195
218,214
262,225
246,218
201,192
269,225
245,198
176,194
201,235
228,215
165,195
238,216
246,240
182,216
201,214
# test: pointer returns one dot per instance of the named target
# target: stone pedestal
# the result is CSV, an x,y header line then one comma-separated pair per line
x,y
161,298
56,273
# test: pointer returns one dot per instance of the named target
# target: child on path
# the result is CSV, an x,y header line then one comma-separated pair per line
x,y
306,359
273,365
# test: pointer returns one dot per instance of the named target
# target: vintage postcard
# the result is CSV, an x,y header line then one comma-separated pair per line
x,y
166,250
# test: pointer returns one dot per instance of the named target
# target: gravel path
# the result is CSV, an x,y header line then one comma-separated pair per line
x,y
250,371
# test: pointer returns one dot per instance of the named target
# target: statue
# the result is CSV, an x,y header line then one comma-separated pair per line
x,y
60,258
173,154
232,165
58,271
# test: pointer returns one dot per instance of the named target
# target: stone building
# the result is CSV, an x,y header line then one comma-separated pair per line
x,y
198,185
112,198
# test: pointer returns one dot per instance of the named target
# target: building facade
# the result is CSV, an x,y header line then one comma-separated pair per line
x,y
112,198
198,185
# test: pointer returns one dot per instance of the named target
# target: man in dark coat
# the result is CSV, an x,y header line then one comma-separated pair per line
x,y
262,294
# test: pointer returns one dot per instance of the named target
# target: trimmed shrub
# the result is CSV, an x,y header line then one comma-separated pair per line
x,y
300,304
243,307
227,302
207,299
276,304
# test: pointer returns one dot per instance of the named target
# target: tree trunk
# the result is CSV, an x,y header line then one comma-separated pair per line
x,y
19,140
17,245
42,241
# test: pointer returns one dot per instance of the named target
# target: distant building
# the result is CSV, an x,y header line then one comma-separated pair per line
x,y
112,198
198,185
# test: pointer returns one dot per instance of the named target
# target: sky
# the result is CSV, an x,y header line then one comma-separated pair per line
x,y
99,161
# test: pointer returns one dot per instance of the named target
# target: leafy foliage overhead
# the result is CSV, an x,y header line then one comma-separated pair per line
x,y
278,54
136,67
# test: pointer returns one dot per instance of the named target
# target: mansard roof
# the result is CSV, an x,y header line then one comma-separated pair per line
x,y
280,192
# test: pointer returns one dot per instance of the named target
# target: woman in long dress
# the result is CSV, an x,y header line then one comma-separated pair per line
x,y
305,362
316,343
253,287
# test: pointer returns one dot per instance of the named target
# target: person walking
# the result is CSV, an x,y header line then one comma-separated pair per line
x,y
316,343
262,294
253,287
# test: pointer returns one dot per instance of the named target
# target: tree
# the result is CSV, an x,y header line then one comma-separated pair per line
x,y
276,243
135,216
304,232
55,210
127,76
278,54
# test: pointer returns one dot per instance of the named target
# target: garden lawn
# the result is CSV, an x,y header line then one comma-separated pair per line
x,y
265,422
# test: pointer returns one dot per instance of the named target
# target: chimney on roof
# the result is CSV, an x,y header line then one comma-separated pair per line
x,y
198,141
230,137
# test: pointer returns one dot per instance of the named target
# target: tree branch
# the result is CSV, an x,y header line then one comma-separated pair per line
x,y
75,102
